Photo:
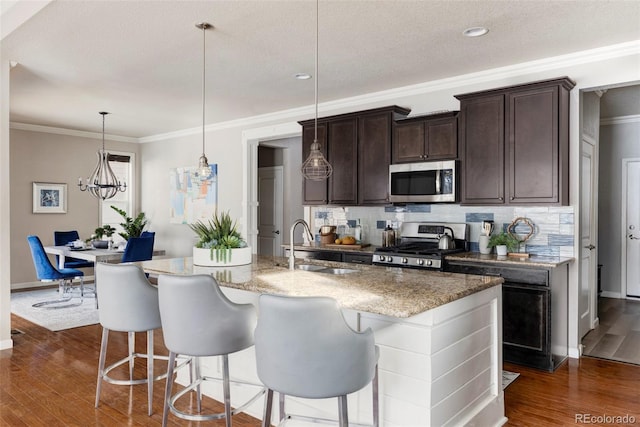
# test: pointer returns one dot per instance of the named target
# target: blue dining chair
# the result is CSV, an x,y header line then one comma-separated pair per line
x,y
61,238
138,249
46,272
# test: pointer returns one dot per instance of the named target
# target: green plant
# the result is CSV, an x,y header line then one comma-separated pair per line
x,y
218,234
506,239
105,230
133,227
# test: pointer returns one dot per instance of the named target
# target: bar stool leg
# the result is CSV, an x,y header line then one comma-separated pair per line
x,y
197,376
283,414
132,349
101,362
150,370
227,389
167,392
343,411
268,403
376,404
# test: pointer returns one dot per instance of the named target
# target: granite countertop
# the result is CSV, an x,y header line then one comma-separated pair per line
x,y
493,259
335,248
388,291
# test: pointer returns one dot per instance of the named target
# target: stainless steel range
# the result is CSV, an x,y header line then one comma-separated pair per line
x,y
420,245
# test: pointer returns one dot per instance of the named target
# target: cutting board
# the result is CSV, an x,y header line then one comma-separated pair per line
x,y
356,246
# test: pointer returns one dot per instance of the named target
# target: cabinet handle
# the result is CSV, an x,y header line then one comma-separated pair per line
x,y
590,247
513,198
500,198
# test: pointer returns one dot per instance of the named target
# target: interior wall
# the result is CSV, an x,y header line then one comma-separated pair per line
x,y
617,141
53,158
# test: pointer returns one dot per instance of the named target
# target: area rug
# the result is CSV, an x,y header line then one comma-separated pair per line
x,y
508,377
53,319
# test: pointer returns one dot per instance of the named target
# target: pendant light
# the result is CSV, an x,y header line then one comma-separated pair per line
x,y
316,167
204,170
103,183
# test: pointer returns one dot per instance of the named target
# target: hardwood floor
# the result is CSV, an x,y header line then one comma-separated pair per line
x,y
48,379
617,336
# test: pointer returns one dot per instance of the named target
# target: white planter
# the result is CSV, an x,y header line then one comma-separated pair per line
x,y
221,257
501,250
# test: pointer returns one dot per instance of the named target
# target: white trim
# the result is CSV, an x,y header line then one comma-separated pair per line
x,y
71,132
609,294
620,120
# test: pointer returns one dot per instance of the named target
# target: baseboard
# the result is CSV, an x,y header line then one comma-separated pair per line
x,y
608,294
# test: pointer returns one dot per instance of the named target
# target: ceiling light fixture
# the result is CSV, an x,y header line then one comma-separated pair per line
x,y
204,170
475,31
103,183
316,167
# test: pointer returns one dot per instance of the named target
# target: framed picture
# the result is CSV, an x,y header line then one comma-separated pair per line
x,y
49,197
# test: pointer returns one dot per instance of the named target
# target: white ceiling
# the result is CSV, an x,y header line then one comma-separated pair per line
x,y
142,60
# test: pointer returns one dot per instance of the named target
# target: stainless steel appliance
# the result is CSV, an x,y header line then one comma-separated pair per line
x,y
418,245
425,182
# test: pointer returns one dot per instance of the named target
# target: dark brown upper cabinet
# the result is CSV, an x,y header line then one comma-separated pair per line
x,y
358,146
514,144
424,138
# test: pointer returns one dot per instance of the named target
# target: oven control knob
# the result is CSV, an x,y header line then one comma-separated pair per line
x,y
429,262
404,260
381,257
420,262
389,259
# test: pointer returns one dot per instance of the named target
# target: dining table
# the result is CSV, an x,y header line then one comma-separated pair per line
x,y
90,254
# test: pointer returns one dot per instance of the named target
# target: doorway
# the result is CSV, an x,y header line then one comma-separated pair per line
x,y
279,192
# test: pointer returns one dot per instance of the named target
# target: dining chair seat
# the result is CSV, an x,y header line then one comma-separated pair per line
x,y
46,272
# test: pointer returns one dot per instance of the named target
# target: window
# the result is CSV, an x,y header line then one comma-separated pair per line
x,y
123,165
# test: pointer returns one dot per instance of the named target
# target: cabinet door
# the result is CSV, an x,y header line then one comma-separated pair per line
x,y
343,156
533,146
441,139
374,157
408,142
314,192
482,150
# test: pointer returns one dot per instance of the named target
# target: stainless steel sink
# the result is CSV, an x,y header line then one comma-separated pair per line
x,y
325,270
337,270
309,267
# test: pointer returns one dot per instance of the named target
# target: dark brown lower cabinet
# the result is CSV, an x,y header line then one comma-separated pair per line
x,y
534,312
339,256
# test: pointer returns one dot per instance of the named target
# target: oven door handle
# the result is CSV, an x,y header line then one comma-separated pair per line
x,y
438,173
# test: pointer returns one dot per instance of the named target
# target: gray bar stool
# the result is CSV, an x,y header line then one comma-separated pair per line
x,y
305,348
198,320
128,303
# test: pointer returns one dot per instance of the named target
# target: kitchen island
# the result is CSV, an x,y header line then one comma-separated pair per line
x,y
439,336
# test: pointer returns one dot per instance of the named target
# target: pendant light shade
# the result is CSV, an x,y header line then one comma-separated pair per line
x,y
204,170
103,183
316,167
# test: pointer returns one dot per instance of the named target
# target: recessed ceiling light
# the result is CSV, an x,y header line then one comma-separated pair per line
x,y
475,31
302,76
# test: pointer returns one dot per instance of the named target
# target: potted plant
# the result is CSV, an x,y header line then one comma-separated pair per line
x,y
99,233
504,242
219,243
133,227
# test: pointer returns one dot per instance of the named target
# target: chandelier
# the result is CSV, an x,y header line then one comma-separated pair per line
x,y
316,167
103,183
204,170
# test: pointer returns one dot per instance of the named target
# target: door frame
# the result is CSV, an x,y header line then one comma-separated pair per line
x,y
623,227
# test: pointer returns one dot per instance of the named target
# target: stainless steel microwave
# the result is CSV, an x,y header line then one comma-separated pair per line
x,y
425,182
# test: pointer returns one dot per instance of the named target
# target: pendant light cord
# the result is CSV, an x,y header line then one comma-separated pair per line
x,y
315,138
204,65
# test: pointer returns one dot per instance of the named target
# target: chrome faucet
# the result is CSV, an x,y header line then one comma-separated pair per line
x,y
292,258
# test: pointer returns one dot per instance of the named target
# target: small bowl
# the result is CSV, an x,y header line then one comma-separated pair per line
x,y
100,244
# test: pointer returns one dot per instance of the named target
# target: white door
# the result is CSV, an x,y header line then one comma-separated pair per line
x,y
587,290
270,205
631,222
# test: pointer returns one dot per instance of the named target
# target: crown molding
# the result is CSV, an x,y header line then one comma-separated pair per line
x,y
70,132
620,120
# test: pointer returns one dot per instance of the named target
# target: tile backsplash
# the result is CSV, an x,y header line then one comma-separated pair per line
x,y
553,226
